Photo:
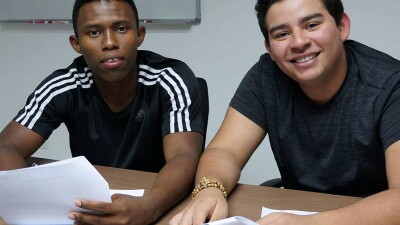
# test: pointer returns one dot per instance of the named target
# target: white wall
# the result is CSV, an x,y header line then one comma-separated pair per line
x,y
221,49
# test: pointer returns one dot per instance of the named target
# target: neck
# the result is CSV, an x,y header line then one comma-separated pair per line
x,y
323,93
119,94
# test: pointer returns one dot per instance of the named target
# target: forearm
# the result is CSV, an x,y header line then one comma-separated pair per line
x,y
382,208
10,158
172,184
17,144
225,171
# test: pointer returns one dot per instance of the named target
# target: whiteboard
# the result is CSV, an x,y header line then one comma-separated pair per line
x,y
60,11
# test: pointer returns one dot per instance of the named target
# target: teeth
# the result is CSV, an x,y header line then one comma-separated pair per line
x,y
111,60
305,59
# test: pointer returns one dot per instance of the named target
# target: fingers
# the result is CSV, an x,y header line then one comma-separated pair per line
x,y
202,214
98,215
207,205
221,211
193,215
121,211
185,217
176,220
98,207
83,218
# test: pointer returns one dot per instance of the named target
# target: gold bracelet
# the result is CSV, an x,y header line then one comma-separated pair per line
x,y
206,183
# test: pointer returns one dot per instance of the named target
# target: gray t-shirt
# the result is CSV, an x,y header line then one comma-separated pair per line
x,y
338,147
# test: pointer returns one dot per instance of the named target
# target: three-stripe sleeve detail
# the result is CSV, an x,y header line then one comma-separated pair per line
x,y
45,93
177,91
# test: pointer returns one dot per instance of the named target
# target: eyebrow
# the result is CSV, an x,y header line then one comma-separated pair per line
x,y
279,27
310,17
97,25
302,20
90,26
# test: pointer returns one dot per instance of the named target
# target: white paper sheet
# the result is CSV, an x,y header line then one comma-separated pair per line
x,y
239,220
137,192
236,220
45,194
265,211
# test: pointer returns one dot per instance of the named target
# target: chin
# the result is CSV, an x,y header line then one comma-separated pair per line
x,y
307,77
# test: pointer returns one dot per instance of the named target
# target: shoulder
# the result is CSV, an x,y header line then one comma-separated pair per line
x,y
70,82
156,68
76,75
374,68
156,63
265,66
265,71
57,94
76,71
364,55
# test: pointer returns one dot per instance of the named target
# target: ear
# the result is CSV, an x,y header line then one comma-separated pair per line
x,y
266,45
268,48
73,40
141,35
344,26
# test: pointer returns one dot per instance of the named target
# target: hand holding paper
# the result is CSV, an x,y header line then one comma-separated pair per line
x,y
45,194
123,208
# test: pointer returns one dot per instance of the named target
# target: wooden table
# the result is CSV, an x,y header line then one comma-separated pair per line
x,y
245,200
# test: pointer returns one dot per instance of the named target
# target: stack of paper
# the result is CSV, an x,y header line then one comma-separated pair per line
x,y
45,194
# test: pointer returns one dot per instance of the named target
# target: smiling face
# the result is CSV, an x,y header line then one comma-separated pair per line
x,y
108,39
306,43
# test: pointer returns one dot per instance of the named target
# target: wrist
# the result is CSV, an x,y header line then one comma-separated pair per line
x,y
150,208
206,183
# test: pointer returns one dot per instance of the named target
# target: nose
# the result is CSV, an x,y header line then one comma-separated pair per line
x,y
110,41
300,40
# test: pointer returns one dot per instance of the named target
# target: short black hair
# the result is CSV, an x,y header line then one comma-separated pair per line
x,y
334,7
79,3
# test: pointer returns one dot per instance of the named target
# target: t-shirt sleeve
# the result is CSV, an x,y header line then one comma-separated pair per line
x,y
41,110
248,99
181,101
390,119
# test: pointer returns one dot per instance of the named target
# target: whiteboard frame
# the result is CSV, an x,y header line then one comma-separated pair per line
x,y
60,11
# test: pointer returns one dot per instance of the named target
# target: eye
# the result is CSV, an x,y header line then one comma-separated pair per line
x,y
281,35
94,33
122,29
311,26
